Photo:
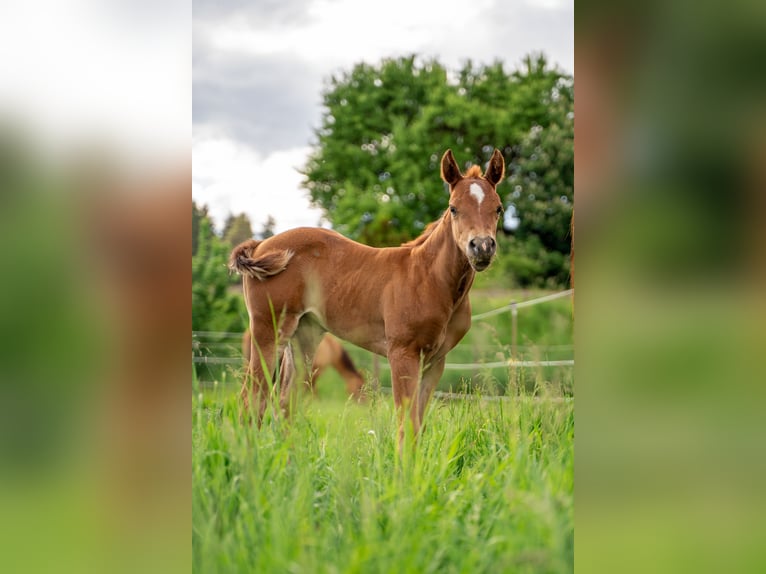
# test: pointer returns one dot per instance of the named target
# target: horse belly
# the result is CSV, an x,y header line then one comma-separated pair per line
x,y
365,335
362,329
346,301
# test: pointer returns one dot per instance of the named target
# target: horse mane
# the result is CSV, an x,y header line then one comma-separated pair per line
x,y
473,171
420,239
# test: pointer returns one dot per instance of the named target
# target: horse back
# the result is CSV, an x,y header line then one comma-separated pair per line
x,y
326,273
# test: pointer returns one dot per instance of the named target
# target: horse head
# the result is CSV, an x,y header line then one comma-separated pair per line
x,y
474,207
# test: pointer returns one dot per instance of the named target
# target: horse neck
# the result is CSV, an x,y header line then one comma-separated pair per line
x,y
442,256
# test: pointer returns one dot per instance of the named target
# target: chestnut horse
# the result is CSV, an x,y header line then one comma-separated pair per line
x,y
329,353
408,303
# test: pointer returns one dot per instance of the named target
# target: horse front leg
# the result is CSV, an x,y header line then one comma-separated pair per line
x,y
405,374
428,382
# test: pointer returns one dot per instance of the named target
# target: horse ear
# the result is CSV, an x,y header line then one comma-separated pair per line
x,y
495,169
450,171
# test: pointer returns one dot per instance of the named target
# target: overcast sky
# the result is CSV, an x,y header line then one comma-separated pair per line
x,y
258,69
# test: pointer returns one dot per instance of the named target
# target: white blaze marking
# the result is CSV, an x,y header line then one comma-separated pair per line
x,y
477,192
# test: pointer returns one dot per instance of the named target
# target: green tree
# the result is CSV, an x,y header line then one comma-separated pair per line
x,y
375,167
541,182
268,227
198,213
214,306
237,229
357,173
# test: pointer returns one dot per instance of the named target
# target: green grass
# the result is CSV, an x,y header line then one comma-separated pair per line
x,y
489,488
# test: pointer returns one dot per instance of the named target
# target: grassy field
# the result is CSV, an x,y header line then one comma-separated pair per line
x,y
488,489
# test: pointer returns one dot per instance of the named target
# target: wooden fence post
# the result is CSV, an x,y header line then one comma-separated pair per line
x,y
514,329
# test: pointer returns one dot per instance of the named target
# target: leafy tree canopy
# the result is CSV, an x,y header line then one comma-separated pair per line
x,y
198,213
215,307
268,228
374,169
237,229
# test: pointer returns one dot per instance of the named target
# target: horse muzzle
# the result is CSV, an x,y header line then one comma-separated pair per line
x,y
480,252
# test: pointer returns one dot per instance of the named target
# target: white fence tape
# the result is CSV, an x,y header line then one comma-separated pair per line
x,y
448,366
479,397
500,364
217,360
522,304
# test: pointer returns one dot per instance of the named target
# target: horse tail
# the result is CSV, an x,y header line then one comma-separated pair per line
x,y
270,263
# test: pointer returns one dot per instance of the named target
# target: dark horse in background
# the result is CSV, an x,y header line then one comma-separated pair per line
x,y
408,303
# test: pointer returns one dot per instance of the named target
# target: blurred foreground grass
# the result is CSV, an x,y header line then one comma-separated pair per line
x,y
670,279
488,489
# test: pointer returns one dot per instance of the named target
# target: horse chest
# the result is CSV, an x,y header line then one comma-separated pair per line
x,y
423,328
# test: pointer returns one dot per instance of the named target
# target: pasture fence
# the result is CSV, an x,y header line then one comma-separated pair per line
x,y
229,342
514,307
452,396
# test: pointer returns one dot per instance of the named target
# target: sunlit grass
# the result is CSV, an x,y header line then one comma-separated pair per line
x,y
488,488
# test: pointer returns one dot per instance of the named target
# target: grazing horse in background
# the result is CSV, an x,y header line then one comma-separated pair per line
x,y
408,303
329,353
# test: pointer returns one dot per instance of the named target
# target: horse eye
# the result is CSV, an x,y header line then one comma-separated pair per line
x,y
499,210
452,210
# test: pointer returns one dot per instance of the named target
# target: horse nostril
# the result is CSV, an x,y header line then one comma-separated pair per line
x,y
483,247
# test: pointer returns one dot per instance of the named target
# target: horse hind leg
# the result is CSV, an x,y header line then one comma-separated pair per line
x,y
309,336
261,375
258,379
286,379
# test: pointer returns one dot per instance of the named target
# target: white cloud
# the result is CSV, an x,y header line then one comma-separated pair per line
x,y
293,54
549,4
77,72
230,177
343,32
